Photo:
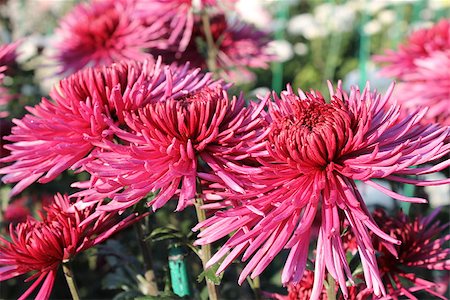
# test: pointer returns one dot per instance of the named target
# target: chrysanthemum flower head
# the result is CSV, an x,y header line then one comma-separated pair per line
x,y
423,246
7,58
41,246
422,66
178,18
102,32
317,149
203,134
239,47
60,133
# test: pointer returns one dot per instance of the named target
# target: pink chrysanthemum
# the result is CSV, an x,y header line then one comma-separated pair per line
x,y
423,246
316,152
42,246
422,66
60,134
239,46
178,18
201,135
7,58
103,32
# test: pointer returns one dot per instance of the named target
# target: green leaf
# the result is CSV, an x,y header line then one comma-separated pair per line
x,y
309,265
210,274
354,263
162,296
127,295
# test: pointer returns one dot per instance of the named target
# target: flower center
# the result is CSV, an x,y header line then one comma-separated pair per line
x,y
310,132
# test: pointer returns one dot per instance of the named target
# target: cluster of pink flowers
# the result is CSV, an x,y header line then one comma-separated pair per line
x,y
142,128
7,59
422,65
278,173
41,246
315,152
422,246
103,32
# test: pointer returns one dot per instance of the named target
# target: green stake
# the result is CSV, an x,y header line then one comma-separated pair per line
x,y
364,50
277,67
178,271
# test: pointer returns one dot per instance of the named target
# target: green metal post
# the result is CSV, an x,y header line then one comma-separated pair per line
x,y
178,271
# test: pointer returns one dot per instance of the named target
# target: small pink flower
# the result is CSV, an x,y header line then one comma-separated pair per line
x,y
16,212
103,32
422,66
42,246
422,245
60,133
7,59
316,152
200,135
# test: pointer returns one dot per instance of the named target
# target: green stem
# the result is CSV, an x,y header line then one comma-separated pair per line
x,y
212,47
331,288
206,252
256,286
70,280
151,287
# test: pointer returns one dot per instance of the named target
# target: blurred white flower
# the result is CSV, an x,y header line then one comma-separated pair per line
x,y
337,18
323,12
282,50
439,4
437,195
355,5
378,82
298,23
315,32
30,45
255,12
386,16
300,49
261,91
372,7
372,27
373,197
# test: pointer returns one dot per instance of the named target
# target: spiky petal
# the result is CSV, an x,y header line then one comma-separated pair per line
x,y
169,141
422,66
41,246
316,152
60,133
423,246
103,32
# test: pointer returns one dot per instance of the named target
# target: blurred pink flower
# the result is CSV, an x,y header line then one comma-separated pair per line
x,y
200,135
16,212
239,47
7,59
178,18
316,152
103,32
59,134
422,66
423,246
42,246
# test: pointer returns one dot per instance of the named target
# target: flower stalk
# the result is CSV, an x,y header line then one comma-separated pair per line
x,y
331,288
205,253
151,287
70,280
211,45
